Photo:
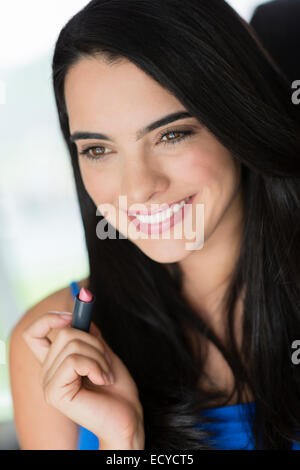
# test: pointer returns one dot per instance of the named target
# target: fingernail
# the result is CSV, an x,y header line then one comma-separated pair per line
x,y
106,379
111,378
107,357
66,316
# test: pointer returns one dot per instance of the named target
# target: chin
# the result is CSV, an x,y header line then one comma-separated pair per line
x,y
166,251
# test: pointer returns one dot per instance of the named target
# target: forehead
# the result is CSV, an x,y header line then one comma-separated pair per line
x,y
99,92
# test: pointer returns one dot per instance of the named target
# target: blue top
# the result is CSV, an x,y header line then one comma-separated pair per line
x,y
233,430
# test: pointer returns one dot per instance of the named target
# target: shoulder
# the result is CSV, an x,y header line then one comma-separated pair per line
x,y
38,425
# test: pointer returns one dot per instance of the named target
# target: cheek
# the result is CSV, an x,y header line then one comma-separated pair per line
x,y
205,166
97,183
212,172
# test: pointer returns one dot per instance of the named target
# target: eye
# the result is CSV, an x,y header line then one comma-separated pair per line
x,y
88,152
93,156
173,140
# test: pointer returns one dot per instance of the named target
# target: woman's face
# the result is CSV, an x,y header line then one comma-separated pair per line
x,y
165,165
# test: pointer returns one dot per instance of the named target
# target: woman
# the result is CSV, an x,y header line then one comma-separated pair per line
x,y
161,103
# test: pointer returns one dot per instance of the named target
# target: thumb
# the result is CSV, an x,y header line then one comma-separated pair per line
x,y
36,334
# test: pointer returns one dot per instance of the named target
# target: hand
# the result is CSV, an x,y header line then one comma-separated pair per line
x,y
72,381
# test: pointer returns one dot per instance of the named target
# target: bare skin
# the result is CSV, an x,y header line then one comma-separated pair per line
x,y
118,100
148,172
61,384
28,398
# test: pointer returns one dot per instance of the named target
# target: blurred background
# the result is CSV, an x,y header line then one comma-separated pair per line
x,y
42,242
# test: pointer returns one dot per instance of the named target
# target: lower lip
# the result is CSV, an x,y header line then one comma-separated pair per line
x,y
167,224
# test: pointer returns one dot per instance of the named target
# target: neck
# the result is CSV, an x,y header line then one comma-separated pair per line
x,y
207,272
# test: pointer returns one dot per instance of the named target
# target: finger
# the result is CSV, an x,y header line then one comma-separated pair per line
x,y
65,336
66,376
94,330
36,334
76,346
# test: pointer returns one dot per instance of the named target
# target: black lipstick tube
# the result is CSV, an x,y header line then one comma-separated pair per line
x,y
82,313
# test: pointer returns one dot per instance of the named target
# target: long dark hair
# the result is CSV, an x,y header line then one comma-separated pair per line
x,y
212,61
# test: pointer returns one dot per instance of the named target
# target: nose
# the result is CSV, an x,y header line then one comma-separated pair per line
x,y
141,182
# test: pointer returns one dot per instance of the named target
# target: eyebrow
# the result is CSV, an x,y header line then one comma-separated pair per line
x,y
154,125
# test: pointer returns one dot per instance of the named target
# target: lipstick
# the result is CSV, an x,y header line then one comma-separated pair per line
x,y
82,312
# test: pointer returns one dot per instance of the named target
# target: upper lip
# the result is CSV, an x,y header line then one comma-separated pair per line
x,y
163,206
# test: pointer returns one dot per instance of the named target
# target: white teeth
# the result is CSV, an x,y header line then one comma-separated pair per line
x,y
162,216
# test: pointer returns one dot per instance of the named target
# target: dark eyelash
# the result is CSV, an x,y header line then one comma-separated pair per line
x,y
173,141
186,134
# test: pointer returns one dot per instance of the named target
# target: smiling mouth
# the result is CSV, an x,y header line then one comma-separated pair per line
x,y
163,215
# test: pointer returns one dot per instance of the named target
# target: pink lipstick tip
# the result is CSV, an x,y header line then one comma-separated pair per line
x,y
85,295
